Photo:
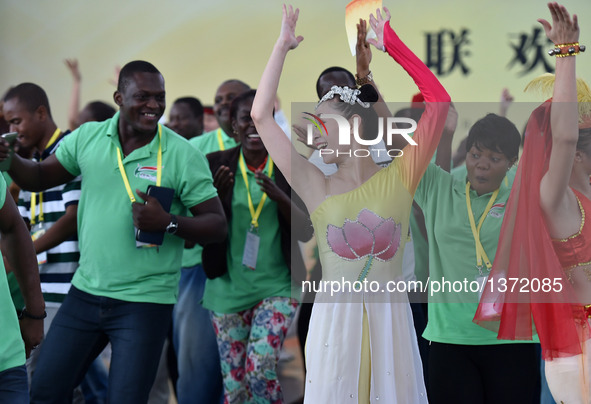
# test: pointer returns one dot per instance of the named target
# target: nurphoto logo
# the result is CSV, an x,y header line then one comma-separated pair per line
x,y
392,126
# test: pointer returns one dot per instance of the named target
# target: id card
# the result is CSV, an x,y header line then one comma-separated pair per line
x,y
251,250
481,279
36,232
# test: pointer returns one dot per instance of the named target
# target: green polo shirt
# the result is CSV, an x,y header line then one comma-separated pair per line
x,y
205,143
452,253
12,347
241,288
7,178
209,143
110,263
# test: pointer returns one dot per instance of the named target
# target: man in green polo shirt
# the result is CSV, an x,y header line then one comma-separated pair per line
x,y
121,293
221,138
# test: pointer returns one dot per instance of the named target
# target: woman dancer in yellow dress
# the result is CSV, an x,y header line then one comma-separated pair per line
x,y
361,344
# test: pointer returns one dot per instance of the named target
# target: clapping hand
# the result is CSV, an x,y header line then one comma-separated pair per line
x,y
223,180
269,187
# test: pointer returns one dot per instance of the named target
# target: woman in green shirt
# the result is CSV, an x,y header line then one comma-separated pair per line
x,y
467,363
252,302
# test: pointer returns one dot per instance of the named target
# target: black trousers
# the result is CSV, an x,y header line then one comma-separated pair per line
x,y
487,374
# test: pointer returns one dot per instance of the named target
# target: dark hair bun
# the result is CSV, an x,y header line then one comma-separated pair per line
x,y
368,93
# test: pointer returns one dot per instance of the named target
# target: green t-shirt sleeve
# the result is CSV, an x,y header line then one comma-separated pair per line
x,y
428,184
7,178
3,191
196,185
67,153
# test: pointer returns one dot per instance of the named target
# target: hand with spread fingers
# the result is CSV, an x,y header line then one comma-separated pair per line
x,y
564,29
288,26
377,23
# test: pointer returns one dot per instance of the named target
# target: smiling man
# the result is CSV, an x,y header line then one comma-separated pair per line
x,y
223,137
121,293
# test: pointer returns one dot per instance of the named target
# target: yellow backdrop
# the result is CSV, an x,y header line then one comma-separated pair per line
x,y
198,44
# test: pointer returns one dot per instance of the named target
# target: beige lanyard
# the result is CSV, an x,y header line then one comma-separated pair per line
x,y
158,167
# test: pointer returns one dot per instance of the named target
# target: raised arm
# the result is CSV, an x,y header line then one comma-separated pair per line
x,y
74,107
431,124
276,143
388,41
554,197
363,58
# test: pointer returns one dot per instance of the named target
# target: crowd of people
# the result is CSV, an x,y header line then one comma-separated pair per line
x,y
175,243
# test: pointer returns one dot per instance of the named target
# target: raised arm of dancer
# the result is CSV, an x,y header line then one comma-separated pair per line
x,y
431,124
276,143
564,116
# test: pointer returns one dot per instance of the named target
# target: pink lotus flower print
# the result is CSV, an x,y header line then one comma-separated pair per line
x,y
369,236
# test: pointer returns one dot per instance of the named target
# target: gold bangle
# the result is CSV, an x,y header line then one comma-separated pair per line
x,y
562,45
360,81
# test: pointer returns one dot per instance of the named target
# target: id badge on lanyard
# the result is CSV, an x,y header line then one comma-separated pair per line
x,y
251,249
253,240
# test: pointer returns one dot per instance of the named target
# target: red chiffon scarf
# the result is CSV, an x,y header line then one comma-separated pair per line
x,y
527,290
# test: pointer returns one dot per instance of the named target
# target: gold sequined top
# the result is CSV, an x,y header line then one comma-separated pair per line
x,y
575,251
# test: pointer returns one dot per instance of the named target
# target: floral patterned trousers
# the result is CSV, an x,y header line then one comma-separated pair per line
x,y
249,343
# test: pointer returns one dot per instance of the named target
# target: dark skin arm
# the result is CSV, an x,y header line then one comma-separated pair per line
x,y
18,247
208,224
64,228
33,176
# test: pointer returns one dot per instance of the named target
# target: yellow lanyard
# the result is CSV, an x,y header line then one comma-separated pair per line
x,y
158,167
52,140
254,215
220,140
480,253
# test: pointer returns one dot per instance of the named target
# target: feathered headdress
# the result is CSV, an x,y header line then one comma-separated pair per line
x,y
544,85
